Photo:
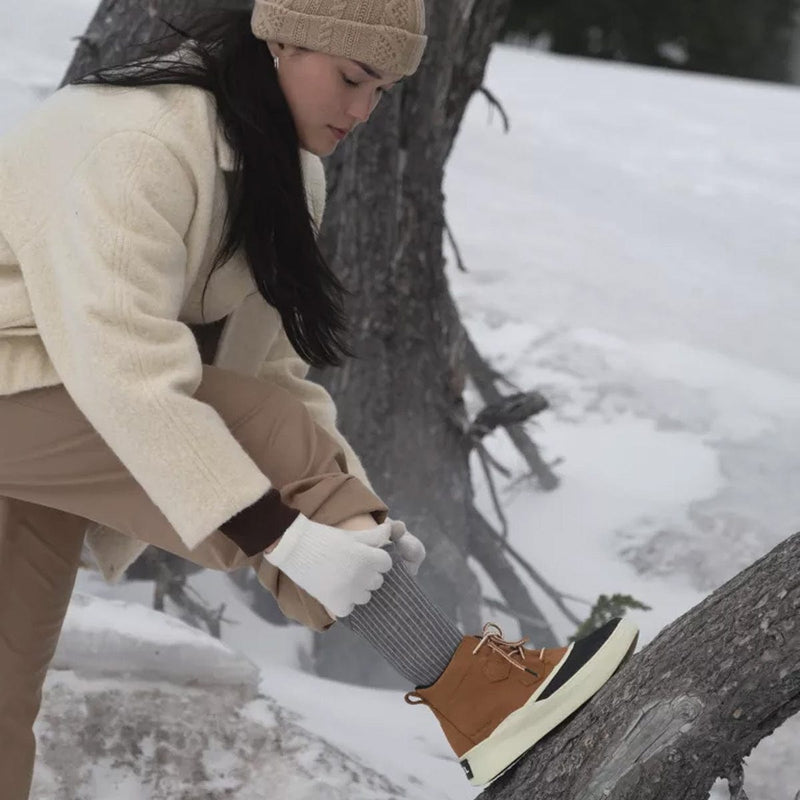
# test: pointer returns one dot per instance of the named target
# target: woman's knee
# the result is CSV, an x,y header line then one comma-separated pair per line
x,y
288,445
273,425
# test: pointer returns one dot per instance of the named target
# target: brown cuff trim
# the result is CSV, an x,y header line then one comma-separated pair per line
x,y
258,526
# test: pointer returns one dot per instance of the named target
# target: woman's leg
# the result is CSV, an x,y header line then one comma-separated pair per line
x,y
405,627
51,456
40,552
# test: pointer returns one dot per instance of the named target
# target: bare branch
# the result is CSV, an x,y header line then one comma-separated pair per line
x,y
495,103
483,547
454,245
173,585
556,596
482,454
484,377
508,410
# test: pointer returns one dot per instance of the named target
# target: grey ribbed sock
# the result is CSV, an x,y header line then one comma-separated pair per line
x,y
405,627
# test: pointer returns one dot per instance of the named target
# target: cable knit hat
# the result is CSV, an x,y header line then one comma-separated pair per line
x,y
387,35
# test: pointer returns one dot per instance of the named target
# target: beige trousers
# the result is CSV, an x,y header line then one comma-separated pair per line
x,y
56,473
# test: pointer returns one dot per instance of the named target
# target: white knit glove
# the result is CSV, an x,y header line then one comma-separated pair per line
x,y
339,568
409,548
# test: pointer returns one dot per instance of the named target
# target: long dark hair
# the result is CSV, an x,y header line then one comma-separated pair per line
x,y
267,211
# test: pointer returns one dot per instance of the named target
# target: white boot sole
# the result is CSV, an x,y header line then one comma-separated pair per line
x,y
520,730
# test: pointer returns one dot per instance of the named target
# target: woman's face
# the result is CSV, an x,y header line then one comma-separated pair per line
x,y
325,92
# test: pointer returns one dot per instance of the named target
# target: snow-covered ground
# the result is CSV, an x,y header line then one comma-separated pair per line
x,y
632,249
630,246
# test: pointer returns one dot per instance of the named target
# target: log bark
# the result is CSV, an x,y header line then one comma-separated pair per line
x,y
687,708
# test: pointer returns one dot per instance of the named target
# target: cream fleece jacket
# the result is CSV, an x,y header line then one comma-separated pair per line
x,y
112,204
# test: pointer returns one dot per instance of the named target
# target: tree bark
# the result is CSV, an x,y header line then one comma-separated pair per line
x,y
120,29
689,706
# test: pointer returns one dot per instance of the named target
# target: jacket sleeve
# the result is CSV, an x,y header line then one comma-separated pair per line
x,y
283,366
107,277
286,368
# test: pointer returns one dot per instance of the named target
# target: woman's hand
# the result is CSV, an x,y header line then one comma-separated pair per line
x,y
339,568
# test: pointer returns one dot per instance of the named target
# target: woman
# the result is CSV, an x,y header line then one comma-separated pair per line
x,y
182,189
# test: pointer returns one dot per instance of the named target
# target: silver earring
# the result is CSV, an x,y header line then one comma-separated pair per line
x,y
276,60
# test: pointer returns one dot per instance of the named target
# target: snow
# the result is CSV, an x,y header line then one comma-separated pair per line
x,y
631,247
155,739
357,726
112,637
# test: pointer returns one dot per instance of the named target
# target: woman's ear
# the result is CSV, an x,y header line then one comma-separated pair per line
x,y
286,50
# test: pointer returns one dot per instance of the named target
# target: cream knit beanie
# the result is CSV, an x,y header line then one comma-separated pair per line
x,y
385,34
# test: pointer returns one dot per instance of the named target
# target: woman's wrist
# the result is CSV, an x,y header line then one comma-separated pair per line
x,y
255,528
362,522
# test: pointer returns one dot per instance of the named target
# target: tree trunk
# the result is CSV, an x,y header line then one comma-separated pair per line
x,y
689,707
120,29
383,231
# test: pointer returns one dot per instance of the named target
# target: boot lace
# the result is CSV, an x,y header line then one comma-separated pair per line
x,y
505,648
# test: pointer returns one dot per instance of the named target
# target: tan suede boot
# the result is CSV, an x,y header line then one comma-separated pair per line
x,y
496,699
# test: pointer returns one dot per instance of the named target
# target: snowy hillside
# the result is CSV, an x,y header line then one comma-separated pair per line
x,y
632,247
139,704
